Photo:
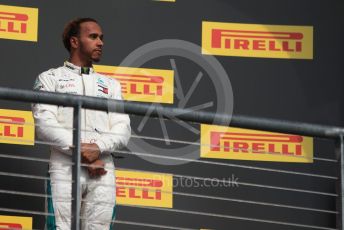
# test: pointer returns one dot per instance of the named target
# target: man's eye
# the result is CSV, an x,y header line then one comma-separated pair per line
x,y
93,36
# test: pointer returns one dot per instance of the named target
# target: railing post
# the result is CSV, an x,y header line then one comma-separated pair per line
x,y
76,195
340,183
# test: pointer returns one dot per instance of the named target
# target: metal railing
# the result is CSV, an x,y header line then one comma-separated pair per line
x,y
79,102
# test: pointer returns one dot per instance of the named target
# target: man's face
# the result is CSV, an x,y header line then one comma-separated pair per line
x,y
91,41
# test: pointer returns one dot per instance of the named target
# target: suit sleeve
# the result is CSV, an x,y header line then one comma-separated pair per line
x,y
47,126
119,128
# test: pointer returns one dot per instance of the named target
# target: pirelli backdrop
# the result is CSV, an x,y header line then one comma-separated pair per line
x,y
271,59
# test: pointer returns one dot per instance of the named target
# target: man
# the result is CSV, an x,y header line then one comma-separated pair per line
x,y
101,133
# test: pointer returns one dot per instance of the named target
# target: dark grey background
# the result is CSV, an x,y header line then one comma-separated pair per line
x,y
298,90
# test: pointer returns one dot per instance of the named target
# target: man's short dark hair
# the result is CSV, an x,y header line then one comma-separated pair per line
x,y
72,28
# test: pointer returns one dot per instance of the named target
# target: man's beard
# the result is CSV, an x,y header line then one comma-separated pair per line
x,y
89,55
96,60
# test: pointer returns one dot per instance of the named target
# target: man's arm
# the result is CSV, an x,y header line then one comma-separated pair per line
x,y
121,131
119,128
47,126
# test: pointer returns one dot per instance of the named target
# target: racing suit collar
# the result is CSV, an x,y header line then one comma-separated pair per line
x,y
77,69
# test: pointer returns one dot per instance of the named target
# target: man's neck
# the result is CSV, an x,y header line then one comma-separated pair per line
x,y
76,60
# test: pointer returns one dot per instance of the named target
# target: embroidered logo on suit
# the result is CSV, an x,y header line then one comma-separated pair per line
x,y
102,87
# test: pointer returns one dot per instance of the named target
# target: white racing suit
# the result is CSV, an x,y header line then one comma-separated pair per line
x,y
54,124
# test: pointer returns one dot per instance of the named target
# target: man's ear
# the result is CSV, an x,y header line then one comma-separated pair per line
x,y
74,42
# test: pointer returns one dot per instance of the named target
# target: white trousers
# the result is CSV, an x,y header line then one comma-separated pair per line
x,y
98,197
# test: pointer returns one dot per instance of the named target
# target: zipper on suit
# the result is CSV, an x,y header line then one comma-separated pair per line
x,y
84,94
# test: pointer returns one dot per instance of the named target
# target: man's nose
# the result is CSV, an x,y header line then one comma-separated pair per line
x,y
100,42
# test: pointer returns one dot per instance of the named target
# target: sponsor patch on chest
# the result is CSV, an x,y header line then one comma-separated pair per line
x,y
102,87
67,85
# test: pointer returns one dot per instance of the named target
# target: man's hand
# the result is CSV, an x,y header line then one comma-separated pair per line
x,y
96,169
89,153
